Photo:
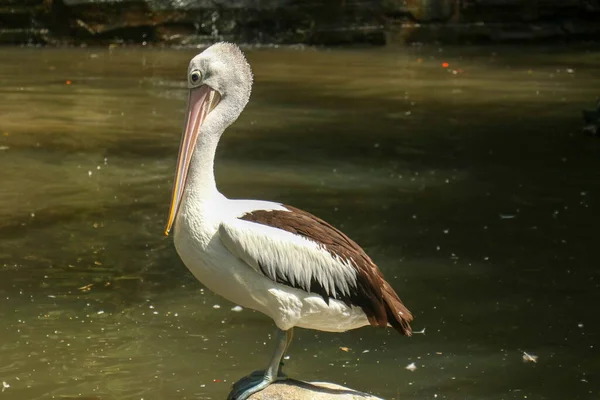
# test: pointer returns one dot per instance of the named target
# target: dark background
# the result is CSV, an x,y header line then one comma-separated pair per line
x,y
326,22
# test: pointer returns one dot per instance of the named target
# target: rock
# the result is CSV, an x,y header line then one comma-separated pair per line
x,y
292,389
495,21
422,10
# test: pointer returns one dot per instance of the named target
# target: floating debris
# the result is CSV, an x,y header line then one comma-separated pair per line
x,y
237,309
216,306
86,288
529,357
346,349
411,367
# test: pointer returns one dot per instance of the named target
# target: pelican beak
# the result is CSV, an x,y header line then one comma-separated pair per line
x,y
201,102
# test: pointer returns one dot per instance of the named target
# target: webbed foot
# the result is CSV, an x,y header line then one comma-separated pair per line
x,y
258,380
248,385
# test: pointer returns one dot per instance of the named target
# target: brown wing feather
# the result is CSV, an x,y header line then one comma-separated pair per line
x,y
373,294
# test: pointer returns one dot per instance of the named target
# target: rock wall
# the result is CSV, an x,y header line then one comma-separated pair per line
x,y
322,22
459,21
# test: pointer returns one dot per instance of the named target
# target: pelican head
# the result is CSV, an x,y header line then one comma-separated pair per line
x,y
219,82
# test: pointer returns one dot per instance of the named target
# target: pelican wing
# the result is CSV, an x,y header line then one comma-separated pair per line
x,y
297,249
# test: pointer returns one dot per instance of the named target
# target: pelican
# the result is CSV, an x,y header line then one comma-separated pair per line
x,y
270,257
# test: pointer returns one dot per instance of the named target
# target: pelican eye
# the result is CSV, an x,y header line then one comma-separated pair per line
x,y
195,76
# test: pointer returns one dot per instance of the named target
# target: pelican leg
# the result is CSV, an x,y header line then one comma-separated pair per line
x,y
257,381
289,335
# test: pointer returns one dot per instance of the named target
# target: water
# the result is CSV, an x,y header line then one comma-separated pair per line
x,y
470,186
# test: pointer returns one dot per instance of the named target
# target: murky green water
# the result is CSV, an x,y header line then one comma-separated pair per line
x,y
470,186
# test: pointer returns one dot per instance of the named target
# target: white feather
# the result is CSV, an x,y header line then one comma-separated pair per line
x,y
289,256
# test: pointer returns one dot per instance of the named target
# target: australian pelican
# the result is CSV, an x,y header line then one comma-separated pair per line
x,y
282,261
